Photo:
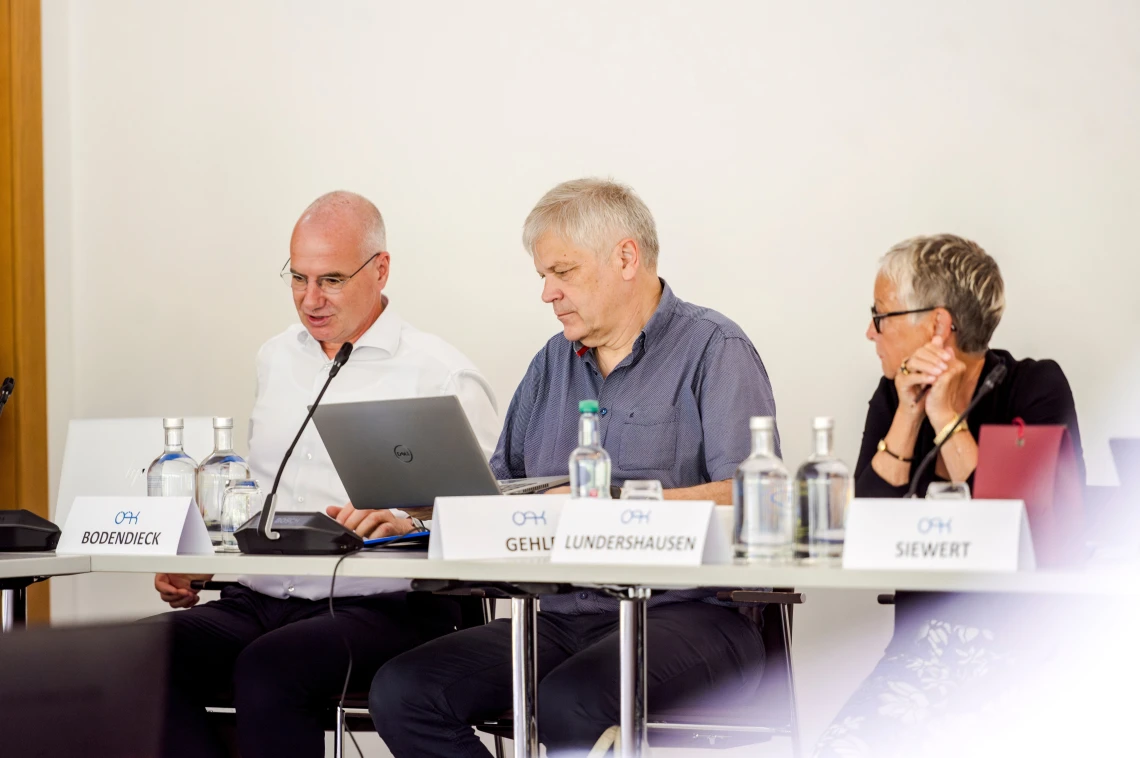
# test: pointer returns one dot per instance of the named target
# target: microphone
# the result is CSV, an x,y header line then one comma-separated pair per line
x,y
310,537
994,379
6,392
20,529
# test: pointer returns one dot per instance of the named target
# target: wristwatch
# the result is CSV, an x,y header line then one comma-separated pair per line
x,y
418,525
882,448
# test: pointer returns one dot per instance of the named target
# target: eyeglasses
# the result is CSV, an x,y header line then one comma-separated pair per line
x,y
878,317
329,283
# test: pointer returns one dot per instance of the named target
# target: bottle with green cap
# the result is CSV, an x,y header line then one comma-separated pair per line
x,y
589,463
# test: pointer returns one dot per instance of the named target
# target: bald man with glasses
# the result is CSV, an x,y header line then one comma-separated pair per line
x,y
272,642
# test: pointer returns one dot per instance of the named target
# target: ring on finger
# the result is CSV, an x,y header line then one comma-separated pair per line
x,y
905,371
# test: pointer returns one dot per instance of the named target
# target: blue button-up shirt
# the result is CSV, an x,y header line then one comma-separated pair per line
x,y
675,409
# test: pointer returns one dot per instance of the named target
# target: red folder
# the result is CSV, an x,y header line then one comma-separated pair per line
x,y
1036,464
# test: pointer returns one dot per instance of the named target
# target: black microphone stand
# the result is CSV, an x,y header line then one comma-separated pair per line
x,y
305,533
994,379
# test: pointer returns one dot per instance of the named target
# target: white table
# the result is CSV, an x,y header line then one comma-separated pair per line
x,y
408,565
18,570
634,582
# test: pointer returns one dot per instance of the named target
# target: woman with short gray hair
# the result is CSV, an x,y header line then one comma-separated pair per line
x,y
938,301
954,658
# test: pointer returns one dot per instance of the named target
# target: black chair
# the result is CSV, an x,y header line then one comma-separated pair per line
x,y
476,609
769,712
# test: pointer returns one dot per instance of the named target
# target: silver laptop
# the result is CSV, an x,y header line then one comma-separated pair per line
x,y
397,453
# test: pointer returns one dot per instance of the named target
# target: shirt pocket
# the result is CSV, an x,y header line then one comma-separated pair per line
x,y
648,440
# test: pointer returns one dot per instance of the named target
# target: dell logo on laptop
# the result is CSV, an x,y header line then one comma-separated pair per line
x,y
403,453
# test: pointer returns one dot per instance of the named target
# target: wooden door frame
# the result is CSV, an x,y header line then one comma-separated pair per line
x,y
23,315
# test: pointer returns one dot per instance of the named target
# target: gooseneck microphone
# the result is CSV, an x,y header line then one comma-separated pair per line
x,y
6,392
994,379
265,525
20,529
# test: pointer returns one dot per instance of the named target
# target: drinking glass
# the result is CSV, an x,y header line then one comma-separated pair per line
x,y
948,491
241,499
642,489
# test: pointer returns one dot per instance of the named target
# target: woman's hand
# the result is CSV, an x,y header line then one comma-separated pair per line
x,y
370,524
915,377
943,403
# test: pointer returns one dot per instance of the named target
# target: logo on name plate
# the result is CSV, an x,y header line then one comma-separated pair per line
x,y
929,524
635,516
126,517
521,518
402,453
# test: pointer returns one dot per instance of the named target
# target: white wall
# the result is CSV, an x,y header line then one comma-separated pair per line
x,y
781,146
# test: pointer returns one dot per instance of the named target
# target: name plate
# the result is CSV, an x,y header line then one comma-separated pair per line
x,y
134,526
494,527
949,535
647,532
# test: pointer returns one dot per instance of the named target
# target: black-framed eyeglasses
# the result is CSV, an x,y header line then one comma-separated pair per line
x,y
328,284
878,317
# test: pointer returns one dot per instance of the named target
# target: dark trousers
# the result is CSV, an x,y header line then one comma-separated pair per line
x,y
423,701
283,662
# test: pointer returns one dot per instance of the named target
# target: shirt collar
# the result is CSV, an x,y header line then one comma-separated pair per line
x,y
653,328
384,334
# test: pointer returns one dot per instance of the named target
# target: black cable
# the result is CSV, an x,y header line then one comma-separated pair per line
x,y
347,647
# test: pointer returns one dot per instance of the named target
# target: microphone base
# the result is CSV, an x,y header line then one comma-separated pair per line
x,y
22,531
302,533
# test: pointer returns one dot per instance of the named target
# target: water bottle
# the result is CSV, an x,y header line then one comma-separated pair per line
x,y
589,463
764,521
823,490
172,473
217,472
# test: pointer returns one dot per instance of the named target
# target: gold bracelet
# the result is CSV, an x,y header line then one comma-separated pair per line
x,y
950,429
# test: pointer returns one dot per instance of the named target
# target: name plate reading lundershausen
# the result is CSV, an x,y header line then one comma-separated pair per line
x,y
134,526
494,527
646,532
947,535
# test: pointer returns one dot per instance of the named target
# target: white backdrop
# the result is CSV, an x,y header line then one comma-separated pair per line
x,y
782,147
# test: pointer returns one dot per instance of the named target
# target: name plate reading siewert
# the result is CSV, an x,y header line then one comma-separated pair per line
x,y
648,532
951,535
494,527
134,526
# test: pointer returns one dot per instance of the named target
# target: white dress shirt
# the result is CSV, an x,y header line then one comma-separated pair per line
x,y
391,360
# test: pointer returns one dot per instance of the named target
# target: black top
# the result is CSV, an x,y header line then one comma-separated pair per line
x,y
1035,391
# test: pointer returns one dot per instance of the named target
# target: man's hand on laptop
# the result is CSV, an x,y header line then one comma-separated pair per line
x,y
175,588
558,491
370,524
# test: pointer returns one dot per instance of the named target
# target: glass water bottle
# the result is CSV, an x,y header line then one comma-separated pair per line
x,y
172,473
217,472
764,520
823,490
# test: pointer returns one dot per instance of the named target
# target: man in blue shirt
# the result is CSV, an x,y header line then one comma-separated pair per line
x,y
676,384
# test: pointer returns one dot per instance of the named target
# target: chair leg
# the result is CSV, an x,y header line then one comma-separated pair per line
x,y
338,734
500,750
793,709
